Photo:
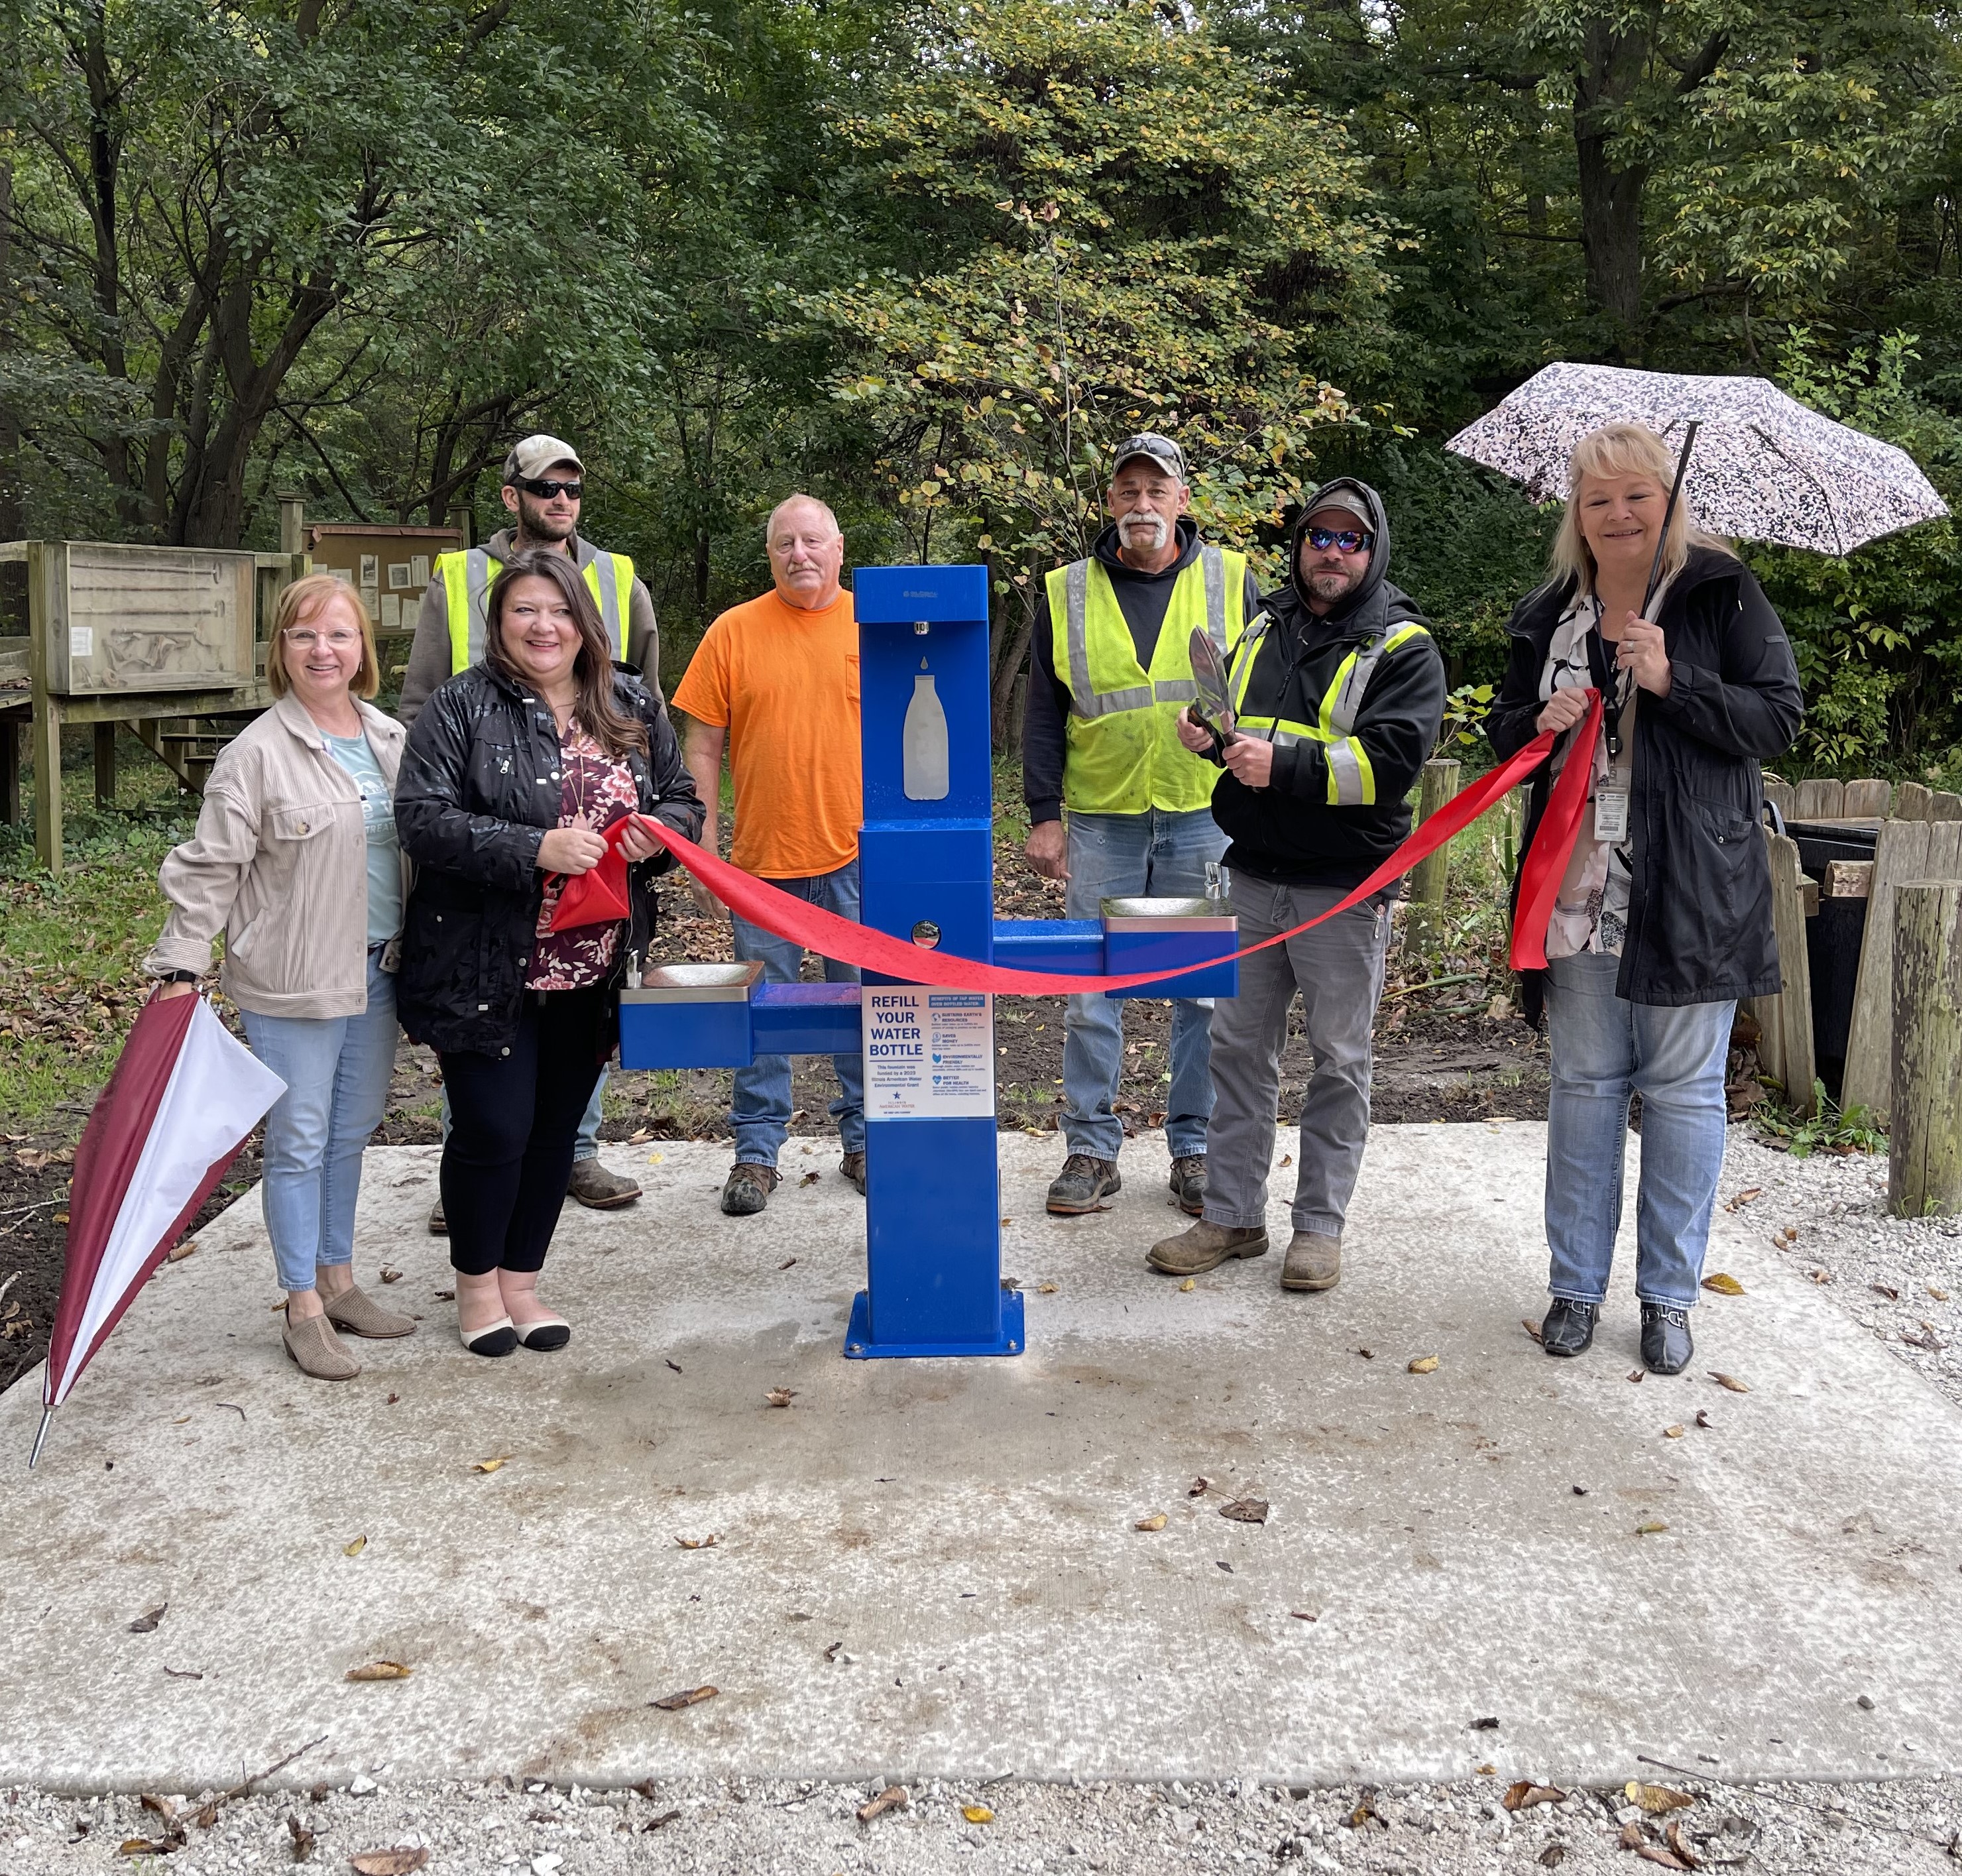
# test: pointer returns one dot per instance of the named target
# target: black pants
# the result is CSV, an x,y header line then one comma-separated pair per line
x,y
514,1120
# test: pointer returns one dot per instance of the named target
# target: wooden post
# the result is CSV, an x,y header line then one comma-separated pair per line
x,y
1820,800
1867,800
10,772
105,765
1784,1048
1911,801
1924,1149
1427,878
292,524
44,735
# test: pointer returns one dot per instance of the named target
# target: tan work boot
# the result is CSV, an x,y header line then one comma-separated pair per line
x,y
1205,1247
313,1344
438,1226
597,1189
357,1312
1314,1261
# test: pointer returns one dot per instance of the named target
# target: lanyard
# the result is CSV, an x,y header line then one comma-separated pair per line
x,y
1611,682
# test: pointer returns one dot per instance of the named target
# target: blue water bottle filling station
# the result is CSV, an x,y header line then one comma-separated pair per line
x,y
926,871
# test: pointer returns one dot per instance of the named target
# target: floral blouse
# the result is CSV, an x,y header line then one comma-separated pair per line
x,y
595,791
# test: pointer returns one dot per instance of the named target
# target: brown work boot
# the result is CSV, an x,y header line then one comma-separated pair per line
x,y
438,1226
748,1188
853,1167
1188,1183
1082,1185
1314,1261
599,1190
313,1344
1205,1247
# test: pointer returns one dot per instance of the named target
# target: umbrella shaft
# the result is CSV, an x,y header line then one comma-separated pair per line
x,y
1669,513
40,1436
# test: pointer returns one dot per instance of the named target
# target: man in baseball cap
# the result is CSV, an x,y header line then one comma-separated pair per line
x,y
1111,657
544,488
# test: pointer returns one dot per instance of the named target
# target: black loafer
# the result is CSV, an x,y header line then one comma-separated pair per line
x,y
1569,1327
1666,1347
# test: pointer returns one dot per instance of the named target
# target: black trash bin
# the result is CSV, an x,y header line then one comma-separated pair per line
x,y
1832,939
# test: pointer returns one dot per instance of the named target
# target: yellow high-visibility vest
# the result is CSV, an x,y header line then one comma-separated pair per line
x,y
466,580
1352,783
1122,752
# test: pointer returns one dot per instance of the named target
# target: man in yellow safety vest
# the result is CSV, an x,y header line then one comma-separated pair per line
x,y
544,490
1111,669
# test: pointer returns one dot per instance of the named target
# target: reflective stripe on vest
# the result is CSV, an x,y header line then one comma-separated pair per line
x,y
609,576
1123,754
1352,782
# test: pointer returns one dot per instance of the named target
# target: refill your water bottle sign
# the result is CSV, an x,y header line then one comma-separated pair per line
x,y
929,1054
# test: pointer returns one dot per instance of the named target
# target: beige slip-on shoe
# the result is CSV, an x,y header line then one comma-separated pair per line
x,y
314,1346
357,1312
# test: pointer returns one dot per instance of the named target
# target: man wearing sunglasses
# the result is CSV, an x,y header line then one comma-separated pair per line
x,y
1338,697
1111,669
544,485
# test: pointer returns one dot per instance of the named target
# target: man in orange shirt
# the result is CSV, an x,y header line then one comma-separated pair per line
x,y
776,681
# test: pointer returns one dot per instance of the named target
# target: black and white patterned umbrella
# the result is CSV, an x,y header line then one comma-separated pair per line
x,y
1765,466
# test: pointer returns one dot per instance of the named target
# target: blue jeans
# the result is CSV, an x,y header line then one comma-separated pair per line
x,y
760,1114
336,1070
1132,856
1604,1049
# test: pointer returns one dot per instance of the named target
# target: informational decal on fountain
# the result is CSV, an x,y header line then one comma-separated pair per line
x,y
929,1054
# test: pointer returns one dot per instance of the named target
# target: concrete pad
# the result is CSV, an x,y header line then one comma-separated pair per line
x,y
963,1533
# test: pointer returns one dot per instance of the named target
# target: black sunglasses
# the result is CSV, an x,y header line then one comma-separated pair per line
x,y
1351,540
545,489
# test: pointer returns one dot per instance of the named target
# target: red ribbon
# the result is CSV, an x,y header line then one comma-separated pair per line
x,y
830,936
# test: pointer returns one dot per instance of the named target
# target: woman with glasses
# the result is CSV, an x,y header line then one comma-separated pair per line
x,y
1664,917
296,861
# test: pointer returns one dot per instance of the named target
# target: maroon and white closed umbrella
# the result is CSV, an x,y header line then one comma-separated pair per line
x,y
185,1094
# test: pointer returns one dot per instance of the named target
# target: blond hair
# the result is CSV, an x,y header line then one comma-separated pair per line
x,y
301,601
1621,449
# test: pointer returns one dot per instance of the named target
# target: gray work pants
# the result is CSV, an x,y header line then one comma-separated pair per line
x,y
1338,969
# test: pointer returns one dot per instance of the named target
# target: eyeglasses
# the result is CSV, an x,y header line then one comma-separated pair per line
x,y
1351,540
304,640
546,490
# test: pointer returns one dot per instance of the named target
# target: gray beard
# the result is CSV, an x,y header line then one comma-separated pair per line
x,y
1329,586
1146,530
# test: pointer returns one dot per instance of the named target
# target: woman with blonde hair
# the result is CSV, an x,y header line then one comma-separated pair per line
x,y
296,861
1663,920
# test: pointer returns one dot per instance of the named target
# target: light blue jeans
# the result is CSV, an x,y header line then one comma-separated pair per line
x,y
586,1146
1604,1050
1134,856
759,1116
336,1070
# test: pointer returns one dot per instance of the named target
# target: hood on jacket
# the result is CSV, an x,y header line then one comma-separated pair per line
x,y
1357,598
503,544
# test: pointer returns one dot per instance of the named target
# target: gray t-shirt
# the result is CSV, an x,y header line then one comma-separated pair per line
x,y
385,852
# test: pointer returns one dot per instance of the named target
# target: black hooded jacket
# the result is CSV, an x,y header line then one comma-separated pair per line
x,y
1286,832
1699,899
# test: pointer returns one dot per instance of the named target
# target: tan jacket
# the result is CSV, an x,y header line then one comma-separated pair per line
x,y
279,865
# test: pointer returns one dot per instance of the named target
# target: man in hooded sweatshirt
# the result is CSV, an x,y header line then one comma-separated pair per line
x,y
1110,670
1338,695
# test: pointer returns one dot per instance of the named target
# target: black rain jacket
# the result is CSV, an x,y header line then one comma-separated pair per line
x,y
478,790
1286,832
1700,902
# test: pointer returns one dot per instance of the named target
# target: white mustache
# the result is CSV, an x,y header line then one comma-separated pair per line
x,y
1134,523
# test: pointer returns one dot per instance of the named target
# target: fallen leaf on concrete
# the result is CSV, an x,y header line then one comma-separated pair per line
x,y
1045,1289
781,1397
1524,1794
1489,1723
697,1543
1940,1295
1365,1813
785,1265
444,1295
977,1814
489,1465
1198,1488
688,1697
1887,1290
301,1836
1674,1836
1553,1855
162,1806
1304,1614
1656,1799
1672,1433
657,1823
1532,1328
1730,1380
1190,1284
390,1276
1425,1364
379,1670
1703,1417
1790,1234
1581,1491
1655,1853
1368,1354
1287,1159
1223,1564
391,1400
1927,1339
179,1252
1744,1197
831,1653
355,1549
675,1366
1156,1522
182,1673
146,1623
145,1846
810,1178
1723,1283
1246,1511
1486,1771
1638,1374
1821,1276
395,1862
1654,1528
893,1797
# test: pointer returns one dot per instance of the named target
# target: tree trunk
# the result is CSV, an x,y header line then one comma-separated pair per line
x,y
1611,194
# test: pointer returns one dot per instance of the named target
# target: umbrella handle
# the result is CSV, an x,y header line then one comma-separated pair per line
x,y
1669,513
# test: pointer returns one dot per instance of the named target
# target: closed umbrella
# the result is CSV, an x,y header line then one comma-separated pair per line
x,y
184,1095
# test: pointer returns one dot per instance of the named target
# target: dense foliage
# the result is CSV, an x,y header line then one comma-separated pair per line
x,y
931,258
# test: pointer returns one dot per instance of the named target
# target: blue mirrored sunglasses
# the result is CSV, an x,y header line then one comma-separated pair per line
x,y
1351,540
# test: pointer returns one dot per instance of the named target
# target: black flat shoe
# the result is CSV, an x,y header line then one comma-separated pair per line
x,y
1569,1327
494,1338
543,1336
1667,1346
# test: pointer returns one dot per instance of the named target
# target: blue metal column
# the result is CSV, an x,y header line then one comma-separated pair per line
x,y
926,867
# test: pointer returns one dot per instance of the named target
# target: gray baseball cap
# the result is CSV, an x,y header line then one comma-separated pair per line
x,y
1161,450
1340,501
531,458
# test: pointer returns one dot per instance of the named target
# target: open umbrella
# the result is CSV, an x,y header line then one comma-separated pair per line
x,y
1766,467
184,1095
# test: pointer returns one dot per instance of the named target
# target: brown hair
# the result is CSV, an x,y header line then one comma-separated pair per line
x,y
609,726
302,600
1622,449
